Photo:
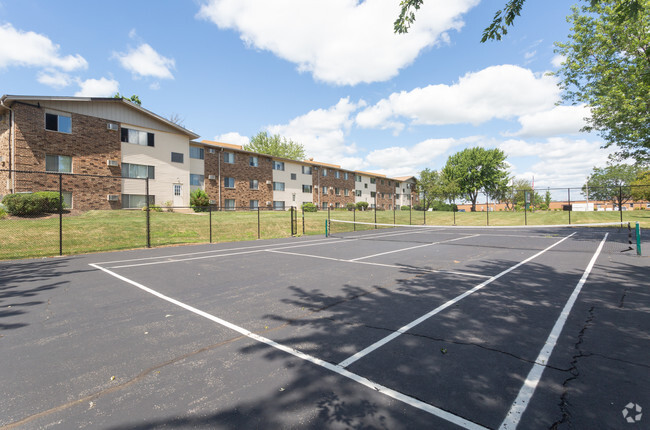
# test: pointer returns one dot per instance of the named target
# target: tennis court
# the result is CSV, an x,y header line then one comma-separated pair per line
x,y
371,327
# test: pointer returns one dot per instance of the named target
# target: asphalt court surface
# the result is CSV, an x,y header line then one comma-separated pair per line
x,y
433,329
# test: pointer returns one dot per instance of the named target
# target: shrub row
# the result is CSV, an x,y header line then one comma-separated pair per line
x,y
32,203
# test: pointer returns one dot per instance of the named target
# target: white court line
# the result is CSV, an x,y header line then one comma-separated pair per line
x,y
392,266
212,251
530,384
324,364
440,308
414,247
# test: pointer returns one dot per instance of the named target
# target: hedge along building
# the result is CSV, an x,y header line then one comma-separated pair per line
x,y
98,137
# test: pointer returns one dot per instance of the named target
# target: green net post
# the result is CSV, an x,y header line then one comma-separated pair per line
x,y
638,239
326,229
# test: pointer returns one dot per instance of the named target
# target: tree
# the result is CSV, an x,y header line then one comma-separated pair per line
x,y
433,185
628,9
134,98
641,187
275,145
607,67
176,119
611,183
477,169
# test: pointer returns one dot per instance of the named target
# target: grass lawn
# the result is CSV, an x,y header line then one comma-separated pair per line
x,y
95,231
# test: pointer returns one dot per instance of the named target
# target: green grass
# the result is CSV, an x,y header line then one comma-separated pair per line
x,y
95,231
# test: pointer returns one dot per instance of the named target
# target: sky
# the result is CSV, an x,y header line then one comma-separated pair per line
x,y
330,75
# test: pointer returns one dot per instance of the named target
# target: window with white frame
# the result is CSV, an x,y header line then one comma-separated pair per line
x,y
136,201
346,192
278,186
345,175
253,161
58,163
357,193
324,172
60,123
254,184
278,205
139,171
229,204
137,137
278,165
254,205
324,205
229,157
228,182
197,180
197,153
177,189
307,188
337,191
324,191
357,178
373,180
337,174
306,170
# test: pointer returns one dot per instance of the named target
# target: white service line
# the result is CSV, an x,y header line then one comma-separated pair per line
x,y
392,266
414,247
440,308
329,366
530,384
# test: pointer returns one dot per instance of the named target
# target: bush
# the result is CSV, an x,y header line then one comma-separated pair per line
x,y
418,207
153,208
3,213
31,203
439,205
350,206
362,206
405,208
309,207
199,200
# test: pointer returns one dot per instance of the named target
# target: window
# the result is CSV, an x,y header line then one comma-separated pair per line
x,y
307,188
254,184
139,171
373,194
196,180
253,162
324,172
196,152
60,123
278,165
278,206
324,191
136,201
337,174
229,204
137,137
58,163
365,185
346,192
324,205
177,190
345,175
357,178
229,157
229,182
337,191
306,170
337,205
382,182
177,157
357,193
254,205
293,177
373,180
278,186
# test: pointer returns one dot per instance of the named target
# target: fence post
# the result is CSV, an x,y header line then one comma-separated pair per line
x,y
258,222
60,214
453,209
354,218
303,222
210,209
620,201
148,219
487,209
638,238
569,202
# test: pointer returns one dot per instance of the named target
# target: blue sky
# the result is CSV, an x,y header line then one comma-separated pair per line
x,y
328,74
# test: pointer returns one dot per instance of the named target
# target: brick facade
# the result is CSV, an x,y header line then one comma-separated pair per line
x,y
385,193
243,173
5,153
90,145
332,183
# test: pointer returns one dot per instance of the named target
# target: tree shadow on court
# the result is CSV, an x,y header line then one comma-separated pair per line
x,y
27,280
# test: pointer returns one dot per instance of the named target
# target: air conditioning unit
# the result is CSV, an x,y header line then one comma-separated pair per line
x,y
112,197
112,163
213,202
213,177
211,150
269,182
111,126
268,203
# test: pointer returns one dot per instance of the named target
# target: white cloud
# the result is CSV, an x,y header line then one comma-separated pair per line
x,y
558,60
29,49
344,42
232,137
559,120
322,132
97,88
54,78
144,61
499,92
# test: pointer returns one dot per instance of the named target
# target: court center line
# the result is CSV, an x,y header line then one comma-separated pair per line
x,y
414,247
440,308
530,384
445,415
392,266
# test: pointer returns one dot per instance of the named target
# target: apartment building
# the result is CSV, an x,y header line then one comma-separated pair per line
x,y
112,145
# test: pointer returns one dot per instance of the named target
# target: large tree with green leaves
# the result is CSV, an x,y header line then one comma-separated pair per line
x,y
641,187
276,145
611,183
607,67
477,170
435,187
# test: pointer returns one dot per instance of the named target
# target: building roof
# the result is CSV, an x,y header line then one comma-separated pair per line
x,y
405,178
7,100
